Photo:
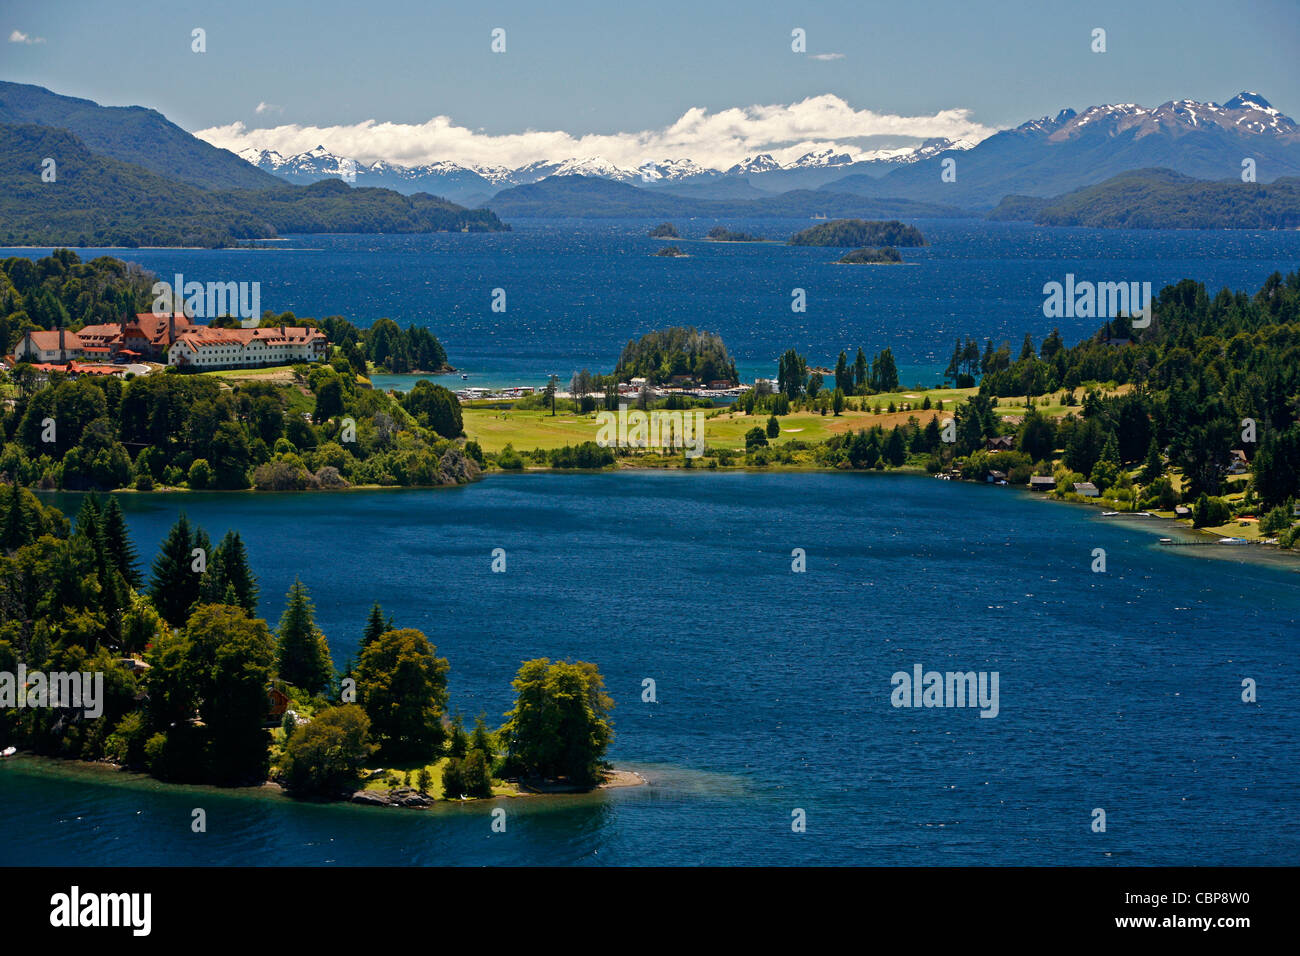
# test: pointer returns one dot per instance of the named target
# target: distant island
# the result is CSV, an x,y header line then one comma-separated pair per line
x,y
859,233
723,234
887,255
671,252
1163,199
665,230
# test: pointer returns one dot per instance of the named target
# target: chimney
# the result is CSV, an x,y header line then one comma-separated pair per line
x,y
60,341
171,328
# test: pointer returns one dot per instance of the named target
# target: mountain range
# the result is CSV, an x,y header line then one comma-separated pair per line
x,y
76,173
1044,157
471,184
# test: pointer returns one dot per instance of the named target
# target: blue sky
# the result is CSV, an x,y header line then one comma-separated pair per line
x,y
611,68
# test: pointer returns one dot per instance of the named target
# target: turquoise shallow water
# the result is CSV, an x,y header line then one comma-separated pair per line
x,y
1118,690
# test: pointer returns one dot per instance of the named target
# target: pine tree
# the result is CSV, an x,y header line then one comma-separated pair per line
x,y
175,587
1154,466
119,544
17,528
302,653
234,560
375,625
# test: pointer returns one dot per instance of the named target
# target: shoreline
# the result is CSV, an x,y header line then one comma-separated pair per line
x,y
103,772
1252,552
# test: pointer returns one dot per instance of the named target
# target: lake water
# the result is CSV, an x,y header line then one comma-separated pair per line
x,y
576,291
1119,691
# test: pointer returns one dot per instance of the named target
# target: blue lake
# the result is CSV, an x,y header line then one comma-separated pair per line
x,y
1119,691
577,291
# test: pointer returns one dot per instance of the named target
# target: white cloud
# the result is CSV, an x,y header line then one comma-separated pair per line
x,y
827,56
711,139
268,108
19,37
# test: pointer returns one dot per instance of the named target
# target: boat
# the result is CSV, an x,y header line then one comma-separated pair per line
x,y
8,752
1232,541
464,377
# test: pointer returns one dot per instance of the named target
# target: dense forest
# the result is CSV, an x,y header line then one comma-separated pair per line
x,y
189,670
857,233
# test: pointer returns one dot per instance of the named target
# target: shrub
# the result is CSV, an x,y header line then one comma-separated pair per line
x,y
200,473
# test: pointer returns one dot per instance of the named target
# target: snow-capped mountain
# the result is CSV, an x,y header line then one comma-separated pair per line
x,y
672,170
762,163
1053,155
820,159
1067,150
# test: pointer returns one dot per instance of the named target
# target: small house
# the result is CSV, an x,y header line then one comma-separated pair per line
x,y
1000,443
279,702
1182,511
1086,488
1042,483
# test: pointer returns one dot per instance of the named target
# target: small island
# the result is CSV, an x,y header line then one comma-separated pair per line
x,y
886,256
665,230
672,252
859,233
723,234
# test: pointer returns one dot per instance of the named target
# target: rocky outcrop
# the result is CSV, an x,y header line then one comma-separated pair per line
x,y
397,797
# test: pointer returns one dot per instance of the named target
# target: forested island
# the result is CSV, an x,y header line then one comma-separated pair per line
x,y
887,255
684,353
859,233
198,689
723,234
665,230
671,252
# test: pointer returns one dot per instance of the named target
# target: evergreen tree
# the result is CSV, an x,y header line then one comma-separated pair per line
x,y
119,543
17,528
301,651
482,738
174,586
234,561
1154,466
375,625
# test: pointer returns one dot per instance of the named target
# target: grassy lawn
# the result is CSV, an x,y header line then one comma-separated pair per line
x,y
494,426
499,788
272,373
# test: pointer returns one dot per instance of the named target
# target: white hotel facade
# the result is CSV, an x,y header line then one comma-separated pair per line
x,y
203,347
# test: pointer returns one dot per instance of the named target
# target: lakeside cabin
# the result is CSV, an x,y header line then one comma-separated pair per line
x,y
1087,489
1042,483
